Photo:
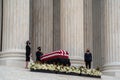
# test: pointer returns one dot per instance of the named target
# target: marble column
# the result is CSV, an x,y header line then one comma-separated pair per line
x,y
1,8
88,32
97,33
112,36
56,25
72,34
88,26
42,26
15,31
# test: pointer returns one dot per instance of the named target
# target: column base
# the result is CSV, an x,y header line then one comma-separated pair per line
x,y
112,73
112,69
16,59
77,62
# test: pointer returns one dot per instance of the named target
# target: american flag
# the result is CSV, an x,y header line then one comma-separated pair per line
x,y
55,54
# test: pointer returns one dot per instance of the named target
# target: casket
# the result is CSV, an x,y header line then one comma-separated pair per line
x,y
59,56
55,54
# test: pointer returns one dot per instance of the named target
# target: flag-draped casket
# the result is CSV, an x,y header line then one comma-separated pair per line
x,y
57,57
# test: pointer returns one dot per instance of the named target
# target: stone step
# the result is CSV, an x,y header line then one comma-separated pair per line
x,y
16,73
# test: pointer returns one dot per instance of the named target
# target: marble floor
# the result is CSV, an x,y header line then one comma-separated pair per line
x,y
16,73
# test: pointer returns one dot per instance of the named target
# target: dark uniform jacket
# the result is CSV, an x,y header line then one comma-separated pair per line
x,y
38,55
28,49
88,57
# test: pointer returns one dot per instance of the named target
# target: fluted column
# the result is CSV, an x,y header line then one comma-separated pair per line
x,y
56,24
88,32
15,28
112,35
88,27
97,12
42,16
1,5
72,38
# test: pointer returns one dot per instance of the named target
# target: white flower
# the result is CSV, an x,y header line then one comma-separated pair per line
x,y
67,69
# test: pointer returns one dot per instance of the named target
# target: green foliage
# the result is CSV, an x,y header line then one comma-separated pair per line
x,y
65,69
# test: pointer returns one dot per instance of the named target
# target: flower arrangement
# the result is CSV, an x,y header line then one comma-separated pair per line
x,y
65,69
